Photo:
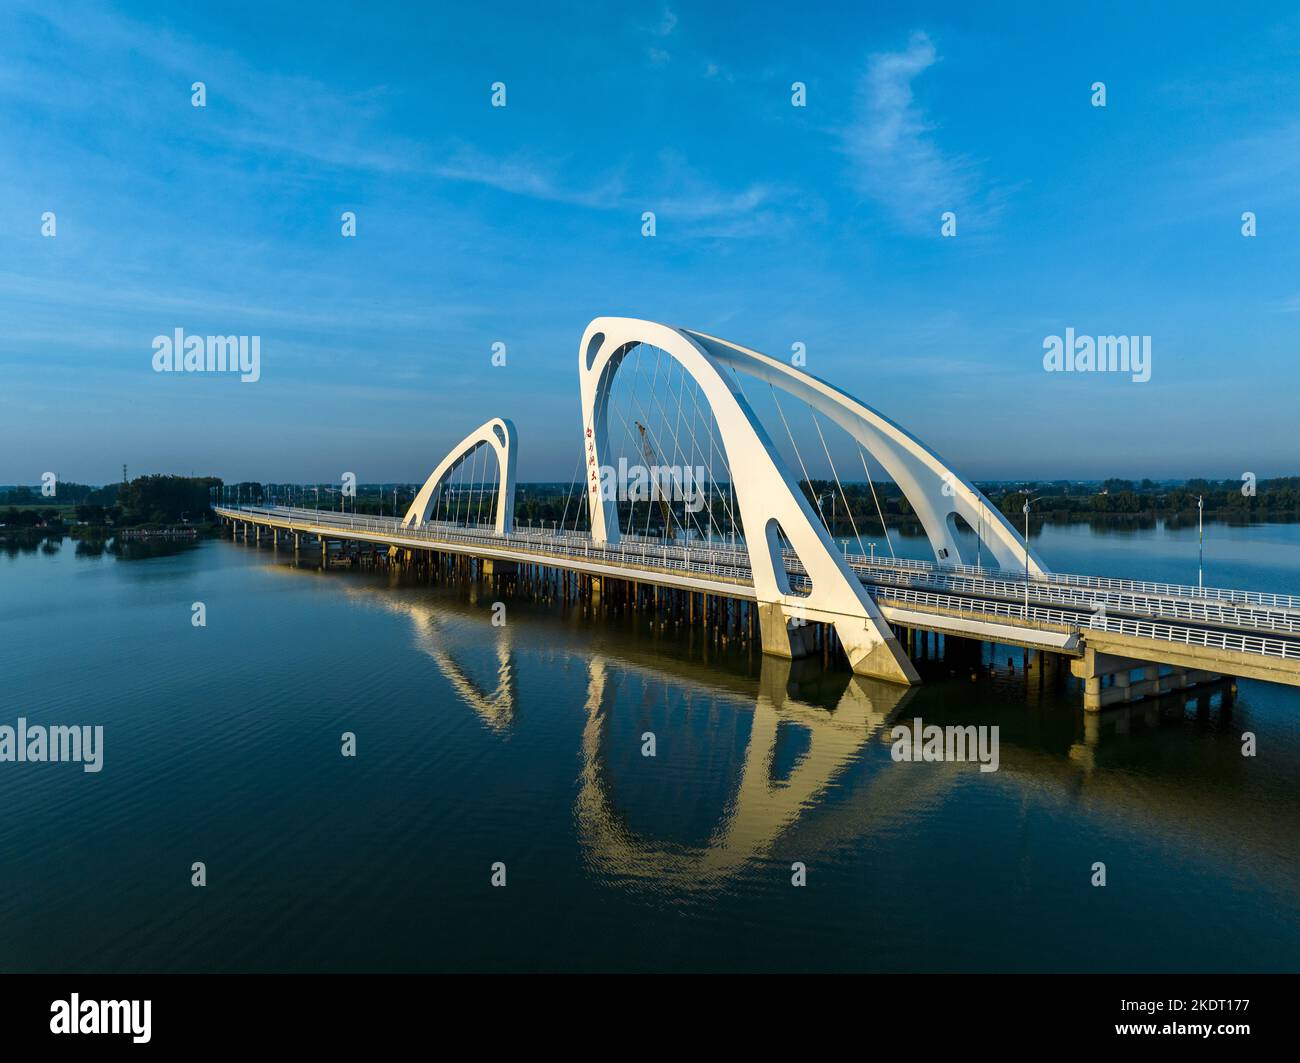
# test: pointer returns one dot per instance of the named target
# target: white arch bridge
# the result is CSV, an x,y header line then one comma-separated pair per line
x,y
716,518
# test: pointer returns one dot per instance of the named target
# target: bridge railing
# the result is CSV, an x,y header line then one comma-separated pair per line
x,y
1175,590
736,553
544,544
1253,644
1207,611
732,564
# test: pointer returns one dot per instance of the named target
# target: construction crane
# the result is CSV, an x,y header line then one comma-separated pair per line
x,y
665,510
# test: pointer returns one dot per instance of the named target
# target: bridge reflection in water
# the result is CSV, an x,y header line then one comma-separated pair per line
x,y
839,787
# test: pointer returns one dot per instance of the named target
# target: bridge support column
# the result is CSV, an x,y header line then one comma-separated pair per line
x,y
1093,667
783,636
868,653
874,651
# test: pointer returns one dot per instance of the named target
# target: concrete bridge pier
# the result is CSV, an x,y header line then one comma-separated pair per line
x,y
783,635
1095,668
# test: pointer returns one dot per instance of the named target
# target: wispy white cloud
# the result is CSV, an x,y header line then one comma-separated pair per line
x,y
526,177
678,192
323,128
897,161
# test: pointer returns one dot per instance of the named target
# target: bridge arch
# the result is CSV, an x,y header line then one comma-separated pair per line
x,y
770,495
498,434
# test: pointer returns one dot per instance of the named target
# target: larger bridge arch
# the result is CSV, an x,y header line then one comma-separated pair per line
x,y
771,498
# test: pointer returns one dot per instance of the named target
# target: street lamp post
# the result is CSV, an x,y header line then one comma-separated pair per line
x,y
1200,535
1025,510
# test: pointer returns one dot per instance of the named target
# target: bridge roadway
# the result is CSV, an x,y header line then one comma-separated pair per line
x,y
1108,625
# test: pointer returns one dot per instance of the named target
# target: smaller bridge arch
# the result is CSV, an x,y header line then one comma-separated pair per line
x,y
499,435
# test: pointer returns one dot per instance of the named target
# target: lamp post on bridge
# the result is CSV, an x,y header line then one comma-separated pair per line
x,y
1025,509
1200,535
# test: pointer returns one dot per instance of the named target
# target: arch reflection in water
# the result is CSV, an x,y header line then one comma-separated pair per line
x,y
496,708
435,634
765,805
763,808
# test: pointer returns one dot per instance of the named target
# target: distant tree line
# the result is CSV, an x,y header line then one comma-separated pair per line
x,y
66,493
1225,499
143,501
157,499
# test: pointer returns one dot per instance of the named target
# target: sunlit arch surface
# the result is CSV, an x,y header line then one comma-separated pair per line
x,y
771,505
935,491
497,434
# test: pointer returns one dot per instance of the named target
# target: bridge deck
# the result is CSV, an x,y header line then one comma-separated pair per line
x,y
1235,632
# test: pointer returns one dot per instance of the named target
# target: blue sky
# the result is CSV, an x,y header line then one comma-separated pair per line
x,y
776,224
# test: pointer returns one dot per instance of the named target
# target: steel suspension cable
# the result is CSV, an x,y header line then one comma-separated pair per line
x,y
835,472
722,453
879,512
811,491
653,437
577,468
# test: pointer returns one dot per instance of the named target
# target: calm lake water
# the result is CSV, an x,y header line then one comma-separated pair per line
x,y
522,744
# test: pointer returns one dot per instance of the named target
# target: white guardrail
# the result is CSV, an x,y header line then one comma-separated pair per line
x,y
723,561
1197,610
1225,640
1175,590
